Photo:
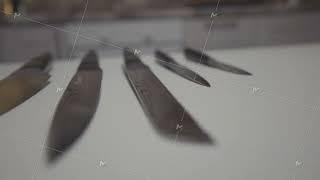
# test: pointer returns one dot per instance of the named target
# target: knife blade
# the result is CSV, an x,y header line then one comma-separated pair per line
x,y
170,64
196,56
165,113
24,83
76,107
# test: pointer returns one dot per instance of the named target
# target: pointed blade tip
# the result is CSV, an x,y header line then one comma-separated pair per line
x,y
201,139
243,72
127,52
207,85
90,61
200,80
91,53
46,55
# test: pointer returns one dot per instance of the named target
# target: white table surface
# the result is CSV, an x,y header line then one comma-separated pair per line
x,y
271,133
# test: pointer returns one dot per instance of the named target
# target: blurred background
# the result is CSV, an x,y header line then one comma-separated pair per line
x,y
29,27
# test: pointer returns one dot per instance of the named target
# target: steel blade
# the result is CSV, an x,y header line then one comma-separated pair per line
x,y
196,56
76,107
24,83
168,62
166,114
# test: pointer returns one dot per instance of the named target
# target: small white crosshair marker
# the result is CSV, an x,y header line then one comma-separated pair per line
x,y
136,51
299,163
102,163
16,15
255,89
214,14
59,90
179,126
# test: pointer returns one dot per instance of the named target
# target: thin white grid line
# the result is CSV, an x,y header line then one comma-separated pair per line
x,y
182,68
286,100
131,171
43,146
82,35
315,107
110,44
102,42
51,149
182,117
208,35
85,36
203,49
177,65
73,33
47,25
36,169
90,38
172,64
77,35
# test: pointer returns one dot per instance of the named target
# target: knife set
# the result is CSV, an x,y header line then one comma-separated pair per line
x,y
197,57
79,101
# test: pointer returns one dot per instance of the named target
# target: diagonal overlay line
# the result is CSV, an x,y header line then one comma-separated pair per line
x,y
85,36
203,49
36,168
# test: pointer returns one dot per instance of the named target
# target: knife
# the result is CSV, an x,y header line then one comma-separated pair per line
x,y
166,114
24,83
197,56
170,64
76,107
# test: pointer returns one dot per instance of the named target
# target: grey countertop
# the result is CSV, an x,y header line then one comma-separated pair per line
x,y
266,126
